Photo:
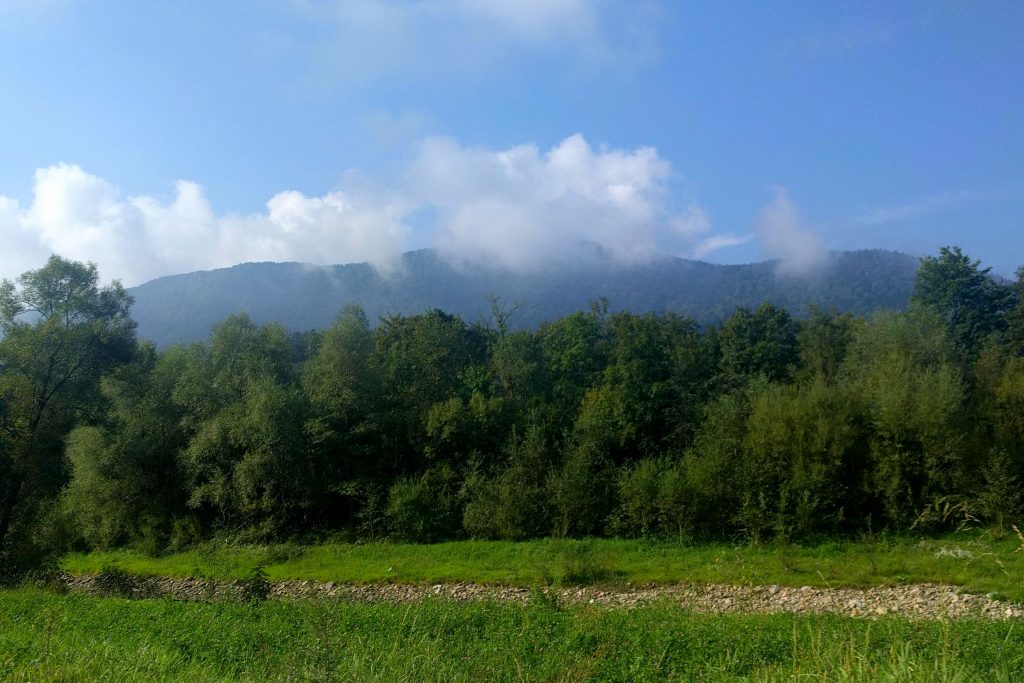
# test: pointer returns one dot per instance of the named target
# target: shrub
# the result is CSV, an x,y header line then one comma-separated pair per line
x,y
425,509
639,499
581,564
255,587
186,532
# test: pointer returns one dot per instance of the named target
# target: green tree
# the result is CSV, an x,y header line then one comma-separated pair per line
x,y
246,459
971,303
422,361
823,339
1015,318
576,348
904,374
762,342
344,392
62,332
125,484
650,380
518,367
513,504
426,508
711,467
802,462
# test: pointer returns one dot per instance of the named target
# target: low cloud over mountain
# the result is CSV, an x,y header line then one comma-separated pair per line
x,y
519,208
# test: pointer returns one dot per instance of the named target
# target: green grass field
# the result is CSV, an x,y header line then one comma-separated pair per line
x,y
977,562
48,636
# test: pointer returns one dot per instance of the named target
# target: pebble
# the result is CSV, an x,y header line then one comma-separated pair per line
x,y
921,601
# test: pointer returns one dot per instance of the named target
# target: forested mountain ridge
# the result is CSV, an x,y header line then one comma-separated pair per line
x,y
183,308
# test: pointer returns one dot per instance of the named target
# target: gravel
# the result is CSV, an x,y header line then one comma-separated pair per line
x,y
915,601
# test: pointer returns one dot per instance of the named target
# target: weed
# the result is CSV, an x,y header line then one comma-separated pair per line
x,y
280,553
256,587
546,598
50,637
582,564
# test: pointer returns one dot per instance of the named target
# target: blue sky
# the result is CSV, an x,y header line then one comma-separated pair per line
x,y
155,138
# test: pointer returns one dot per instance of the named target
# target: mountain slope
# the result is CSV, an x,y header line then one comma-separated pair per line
x,y
183,307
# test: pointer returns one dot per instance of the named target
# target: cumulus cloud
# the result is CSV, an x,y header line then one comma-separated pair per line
x,y
783,236
84,217
519,208
21,248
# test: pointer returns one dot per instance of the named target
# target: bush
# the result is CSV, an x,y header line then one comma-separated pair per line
x,y
514,504
255,587
582,493
582,565
279,553
186,532
425,509
999,501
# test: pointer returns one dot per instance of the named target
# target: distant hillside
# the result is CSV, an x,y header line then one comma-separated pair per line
x,y
301,297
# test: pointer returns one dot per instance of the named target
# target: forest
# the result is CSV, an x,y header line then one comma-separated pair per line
x,y
425,427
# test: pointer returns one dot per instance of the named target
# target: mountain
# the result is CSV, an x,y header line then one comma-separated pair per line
x,y
182,308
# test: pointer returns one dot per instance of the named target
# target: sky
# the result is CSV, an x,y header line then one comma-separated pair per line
x,y
165,137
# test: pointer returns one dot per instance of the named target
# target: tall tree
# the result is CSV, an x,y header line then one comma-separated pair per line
x,y
968,299
762,342
125,481
1015,318
246,459
62,332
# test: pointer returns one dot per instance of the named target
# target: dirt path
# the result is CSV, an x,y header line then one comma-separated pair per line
x,y
919,601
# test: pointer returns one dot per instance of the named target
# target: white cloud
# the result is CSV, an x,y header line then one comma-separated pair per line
x,y
699,240
694,223
783,236
517,208
521,208
713,243
83,217
21,249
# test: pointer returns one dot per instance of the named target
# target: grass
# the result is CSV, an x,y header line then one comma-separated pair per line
x,y
977,562
47,636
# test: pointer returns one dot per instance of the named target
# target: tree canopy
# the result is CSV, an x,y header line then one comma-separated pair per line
x,y
62,333
427,427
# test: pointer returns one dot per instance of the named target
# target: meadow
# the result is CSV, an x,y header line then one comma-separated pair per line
x,y
977,561
55,637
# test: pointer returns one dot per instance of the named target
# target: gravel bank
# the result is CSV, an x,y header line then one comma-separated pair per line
x,y
919,601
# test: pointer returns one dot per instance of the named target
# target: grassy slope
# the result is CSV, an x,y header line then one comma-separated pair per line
x,y
45,636
976,562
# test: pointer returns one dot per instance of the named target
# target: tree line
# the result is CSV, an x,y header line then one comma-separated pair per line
x,y
426,427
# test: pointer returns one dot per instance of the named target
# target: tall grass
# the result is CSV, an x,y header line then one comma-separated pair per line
x,y
44,636
978,562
